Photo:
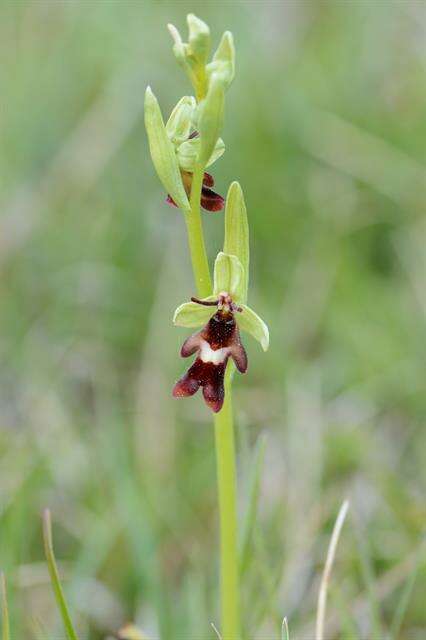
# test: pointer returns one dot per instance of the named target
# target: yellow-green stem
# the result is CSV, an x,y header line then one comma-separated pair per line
x,y
200,265
224,438
227,489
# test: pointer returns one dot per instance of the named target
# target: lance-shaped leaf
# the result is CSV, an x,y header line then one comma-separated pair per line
x,y
188,152
237,232
178,126
228,275
163,153
191,314
223,62
249,321
210,119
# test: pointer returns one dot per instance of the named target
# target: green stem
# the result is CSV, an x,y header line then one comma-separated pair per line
x,y
197,247
227,489
224,437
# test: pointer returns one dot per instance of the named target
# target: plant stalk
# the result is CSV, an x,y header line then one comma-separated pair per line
x,y
227,490
224,438
197,247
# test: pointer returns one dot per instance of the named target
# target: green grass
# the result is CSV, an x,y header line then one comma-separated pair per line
x,y
325,131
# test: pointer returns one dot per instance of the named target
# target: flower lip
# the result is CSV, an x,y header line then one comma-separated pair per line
x,y
218,341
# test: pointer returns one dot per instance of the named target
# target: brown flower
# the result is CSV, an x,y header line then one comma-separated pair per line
x,y
214,345
210,200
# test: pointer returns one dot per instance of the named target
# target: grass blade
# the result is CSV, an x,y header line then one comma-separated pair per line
x,y
5,626
322,597
404,600
54,576
250,518
285,635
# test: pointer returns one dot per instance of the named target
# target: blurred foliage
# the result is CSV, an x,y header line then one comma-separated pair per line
x,y
325,130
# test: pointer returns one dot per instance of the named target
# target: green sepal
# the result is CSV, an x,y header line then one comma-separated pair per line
x,y
249,321
188,151
237,232
223,63
191,314
210,119
179,124
162,152
228,275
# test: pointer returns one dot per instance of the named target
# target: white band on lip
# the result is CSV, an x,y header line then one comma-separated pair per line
x,y
207,354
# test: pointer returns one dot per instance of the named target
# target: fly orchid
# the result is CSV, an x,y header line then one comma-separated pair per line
x,y
181,151
219,339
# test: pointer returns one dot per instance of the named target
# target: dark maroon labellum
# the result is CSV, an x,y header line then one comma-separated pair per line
x,y
214,344
210,200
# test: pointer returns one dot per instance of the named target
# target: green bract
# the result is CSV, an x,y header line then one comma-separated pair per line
x,y
229,277
211,119
163,153
237,232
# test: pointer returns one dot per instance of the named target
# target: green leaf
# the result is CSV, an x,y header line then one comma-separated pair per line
x,y
249,321
54,576
210,119
188,153
237,231
163,153
223,63
199,38
191,314
228,275
5,624
178,126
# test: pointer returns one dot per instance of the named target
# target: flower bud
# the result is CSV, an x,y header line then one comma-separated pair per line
x,y
199,38
223,63
189,151
179,124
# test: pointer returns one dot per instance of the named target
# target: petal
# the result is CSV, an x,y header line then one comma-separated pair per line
x,y
210,200
208,180
213,387
191,314
249,321
191,345
185,387
239,355
228,275
170,200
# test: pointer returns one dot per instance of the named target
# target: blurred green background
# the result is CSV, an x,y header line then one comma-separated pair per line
x,y
326,131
